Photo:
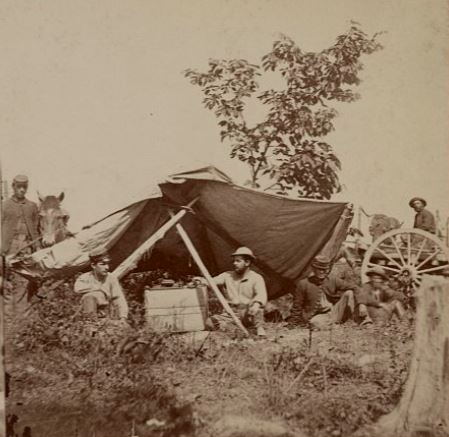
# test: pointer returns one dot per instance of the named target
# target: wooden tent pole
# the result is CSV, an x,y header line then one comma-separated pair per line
x,y
131,262
195,255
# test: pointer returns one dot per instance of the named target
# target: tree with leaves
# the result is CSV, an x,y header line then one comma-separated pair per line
x,y
286,149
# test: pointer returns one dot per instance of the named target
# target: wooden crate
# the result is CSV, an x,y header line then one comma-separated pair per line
x,y
176,309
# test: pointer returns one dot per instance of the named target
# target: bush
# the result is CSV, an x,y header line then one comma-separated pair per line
x,y
82,376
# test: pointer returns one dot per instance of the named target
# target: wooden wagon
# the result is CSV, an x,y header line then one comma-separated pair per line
x,y
407,255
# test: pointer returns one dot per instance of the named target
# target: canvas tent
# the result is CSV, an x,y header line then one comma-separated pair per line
x,y
284,233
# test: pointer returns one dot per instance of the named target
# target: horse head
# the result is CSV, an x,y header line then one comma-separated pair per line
x,y
52,220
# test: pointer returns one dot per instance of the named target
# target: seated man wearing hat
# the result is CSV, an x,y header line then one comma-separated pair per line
x,y
376,301
319,301
99,289
424,219
245,291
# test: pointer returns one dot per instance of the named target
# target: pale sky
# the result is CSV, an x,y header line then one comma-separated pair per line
x,y
93,99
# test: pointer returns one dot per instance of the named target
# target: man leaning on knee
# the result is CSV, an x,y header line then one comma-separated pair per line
x,y
245,291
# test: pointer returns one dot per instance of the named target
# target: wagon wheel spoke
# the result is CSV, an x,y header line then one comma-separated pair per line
x,y
433,269
388,257
432,255
398,250
371,264
417,280
411,252
424,241
415,285
409,247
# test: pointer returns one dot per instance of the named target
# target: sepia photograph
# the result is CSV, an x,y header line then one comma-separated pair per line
x,y
224,218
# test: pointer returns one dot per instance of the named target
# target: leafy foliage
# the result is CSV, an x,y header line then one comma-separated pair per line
x,y
287,145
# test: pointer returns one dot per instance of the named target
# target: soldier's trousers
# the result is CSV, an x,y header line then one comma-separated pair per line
x,y
339,312
241,311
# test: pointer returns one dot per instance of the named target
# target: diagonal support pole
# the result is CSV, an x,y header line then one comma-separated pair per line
x,y
131,262
199,262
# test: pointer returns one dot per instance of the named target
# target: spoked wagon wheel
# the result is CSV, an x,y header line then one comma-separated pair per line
x,y
406,255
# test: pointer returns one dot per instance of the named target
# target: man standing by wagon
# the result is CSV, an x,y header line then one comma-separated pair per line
x,y
424,219
320,301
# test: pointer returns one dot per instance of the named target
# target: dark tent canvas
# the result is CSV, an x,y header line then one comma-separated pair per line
x,y
284,233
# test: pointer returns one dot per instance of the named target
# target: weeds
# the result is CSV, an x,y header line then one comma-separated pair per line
x,y
82,376
337,391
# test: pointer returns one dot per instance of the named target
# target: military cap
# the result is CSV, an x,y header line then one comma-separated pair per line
x,y
99,254
377,271
20,179
321,262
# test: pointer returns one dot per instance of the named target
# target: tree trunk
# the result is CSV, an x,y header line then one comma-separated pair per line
x,y
424,407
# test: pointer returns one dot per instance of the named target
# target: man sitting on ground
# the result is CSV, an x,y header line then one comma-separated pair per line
x,y
100,290
376,301
320,301
245,291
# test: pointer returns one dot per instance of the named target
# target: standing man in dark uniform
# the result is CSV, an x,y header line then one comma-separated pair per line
x,y
20,219
424,219
20,222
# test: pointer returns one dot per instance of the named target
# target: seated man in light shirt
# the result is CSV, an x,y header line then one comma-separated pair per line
x,y
245,291
100,290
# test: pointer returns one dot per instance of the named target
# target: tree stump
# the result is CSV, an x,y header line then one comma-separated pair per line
x,y
424,406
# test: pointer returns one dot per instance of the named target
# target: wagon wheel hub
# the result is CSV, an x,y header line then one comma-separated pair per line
x,y
408,272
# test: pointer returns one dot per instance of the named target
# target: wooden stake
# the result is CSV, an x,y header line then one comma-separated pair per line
x,y
199,262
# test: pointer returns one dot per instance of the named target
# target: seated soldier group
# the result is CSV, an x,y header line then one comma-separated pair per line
x,y
325,298
320,300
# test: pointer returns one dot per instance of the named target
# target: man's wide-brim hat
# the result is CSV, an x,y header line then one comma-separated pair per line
x,y
377,271
20,179
412,201
100,254
244,251
321,262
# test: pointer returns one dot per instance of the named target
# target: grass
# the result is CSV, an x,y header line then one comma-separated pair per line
x,y
75,377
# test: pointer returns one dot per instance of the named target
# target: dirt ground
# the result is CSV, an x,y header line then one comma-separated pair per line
x,y
295,382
